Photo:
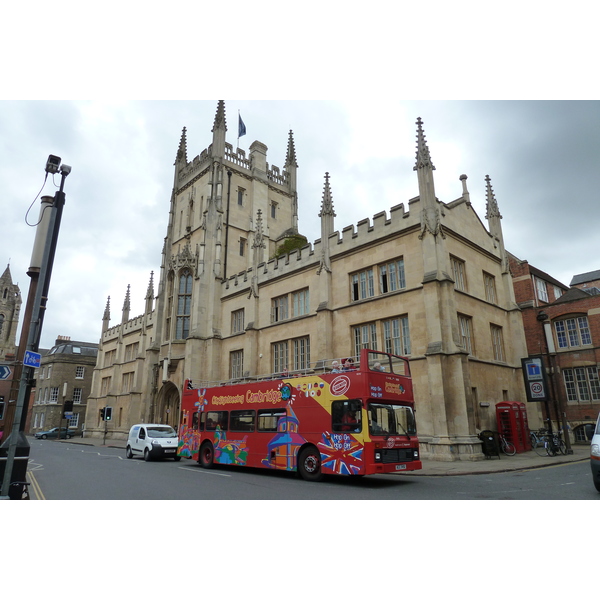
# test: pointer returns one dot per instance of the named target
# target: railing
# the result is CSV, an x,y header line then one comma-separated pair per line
x,y
319,367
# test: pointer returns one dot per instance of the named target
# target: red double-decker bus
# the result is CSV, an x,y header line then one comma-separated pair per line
x,y
359,421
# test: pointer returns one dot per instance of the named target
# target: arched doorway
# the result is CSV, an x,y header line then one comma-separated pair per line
x,y
167,408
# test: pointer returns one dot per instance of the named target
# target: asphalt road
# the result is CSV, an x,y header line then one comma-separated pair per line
x,y
64,471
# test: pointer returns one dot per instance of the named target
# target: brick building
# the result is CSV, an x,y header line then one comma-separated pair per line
x,y
563,326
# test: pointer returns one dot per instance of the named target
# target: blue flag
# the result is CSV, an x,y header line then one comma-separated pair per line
x,y
241,127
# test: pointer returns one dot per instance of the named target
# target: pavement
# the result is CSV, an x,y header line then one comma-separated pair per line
x,y
519,462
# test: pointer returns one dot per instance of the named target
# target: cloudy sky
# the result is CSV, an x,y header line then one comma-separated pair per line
x,y
111,100
541,157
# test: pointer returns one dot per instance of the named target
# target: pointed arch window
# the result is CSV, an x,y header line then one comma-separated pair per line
x,y
1,322
184,305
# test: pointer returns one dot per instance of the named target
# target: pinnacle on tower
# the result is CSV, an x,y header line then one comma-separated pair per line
x,y
259,241
106,316
182,150
327,203
127,303
150,291
491,205
126,307
423,157
290,159
220,117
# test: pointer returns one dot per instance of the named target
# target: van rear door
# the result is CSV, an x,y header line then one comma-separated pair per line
x,y
140,440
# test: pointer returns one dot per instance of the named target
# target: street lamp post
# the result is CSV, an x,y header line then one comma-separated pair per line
x,y
42,258
561,416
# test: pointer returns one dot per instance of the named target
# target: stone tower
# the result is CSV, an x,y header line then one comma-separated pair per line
x,y
229,213
10,305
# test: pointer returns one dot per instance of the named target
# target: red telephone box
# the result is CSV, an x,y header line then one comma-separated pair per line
x,y
513,425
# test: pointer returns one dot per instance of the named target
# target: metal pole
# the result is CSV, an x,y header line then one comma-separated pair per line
x,y
35,330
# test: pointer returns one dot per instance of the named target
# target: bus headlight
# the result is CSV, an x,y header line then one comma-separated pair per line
x,y
377,456
416,454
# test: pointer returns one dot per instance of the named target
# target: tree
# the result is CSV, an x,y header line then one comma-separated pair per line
x,y
294,242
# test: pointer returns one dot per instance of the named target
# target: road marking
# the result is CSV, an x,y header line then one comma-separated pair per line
x,y
564,464
36,487
95,452
204,472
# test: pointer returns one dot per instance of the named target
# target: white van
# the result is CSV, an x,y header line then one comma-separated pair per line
x,y
151,440
595,455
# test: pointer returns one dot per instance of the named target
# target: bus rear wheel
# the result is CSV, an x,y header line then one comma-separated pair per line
x,y
309,464
206,457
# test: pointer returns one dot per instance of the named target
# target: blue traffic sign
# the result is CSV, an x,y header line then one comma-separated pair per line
x,y
32,359
4,372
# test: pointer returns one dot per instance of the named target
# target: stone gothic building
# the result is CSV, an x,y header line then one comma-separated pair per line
x,y
10,306
426,279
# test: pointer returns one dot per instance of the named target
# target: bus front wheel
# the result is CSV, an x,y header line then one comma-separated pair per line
x,y
309,464
207,456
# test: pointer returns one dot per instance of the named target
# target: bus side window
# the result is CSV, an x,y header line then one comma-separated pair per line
x,y
216,418
242,420
346,415
268,419
195,421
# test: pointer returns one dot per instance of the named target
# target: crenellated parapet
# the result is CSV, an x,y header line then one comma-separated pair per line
x,y
351,237
237,159
130,326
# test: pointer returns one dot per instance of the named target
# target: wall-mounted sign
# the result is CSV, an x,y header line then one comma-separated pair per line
x,y
536,386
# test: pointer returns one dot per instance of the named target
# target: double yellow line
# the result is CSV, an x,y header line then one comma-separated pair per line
x,y
35,486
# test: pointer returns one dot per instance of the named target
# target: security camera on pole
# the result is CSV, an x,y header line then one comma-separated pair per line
x,y
42,260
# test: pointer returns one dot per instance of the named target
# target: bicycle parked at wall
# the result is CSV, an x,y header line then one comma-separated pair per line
x,y
548,444
537,437
507,447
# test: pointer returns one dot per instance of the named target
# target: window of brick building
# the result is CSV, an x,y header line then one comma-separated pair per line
x,y
582,384
574,332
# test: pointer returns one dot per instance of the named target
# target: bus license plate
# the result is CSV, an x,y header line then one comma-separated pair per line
x,y
400,467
